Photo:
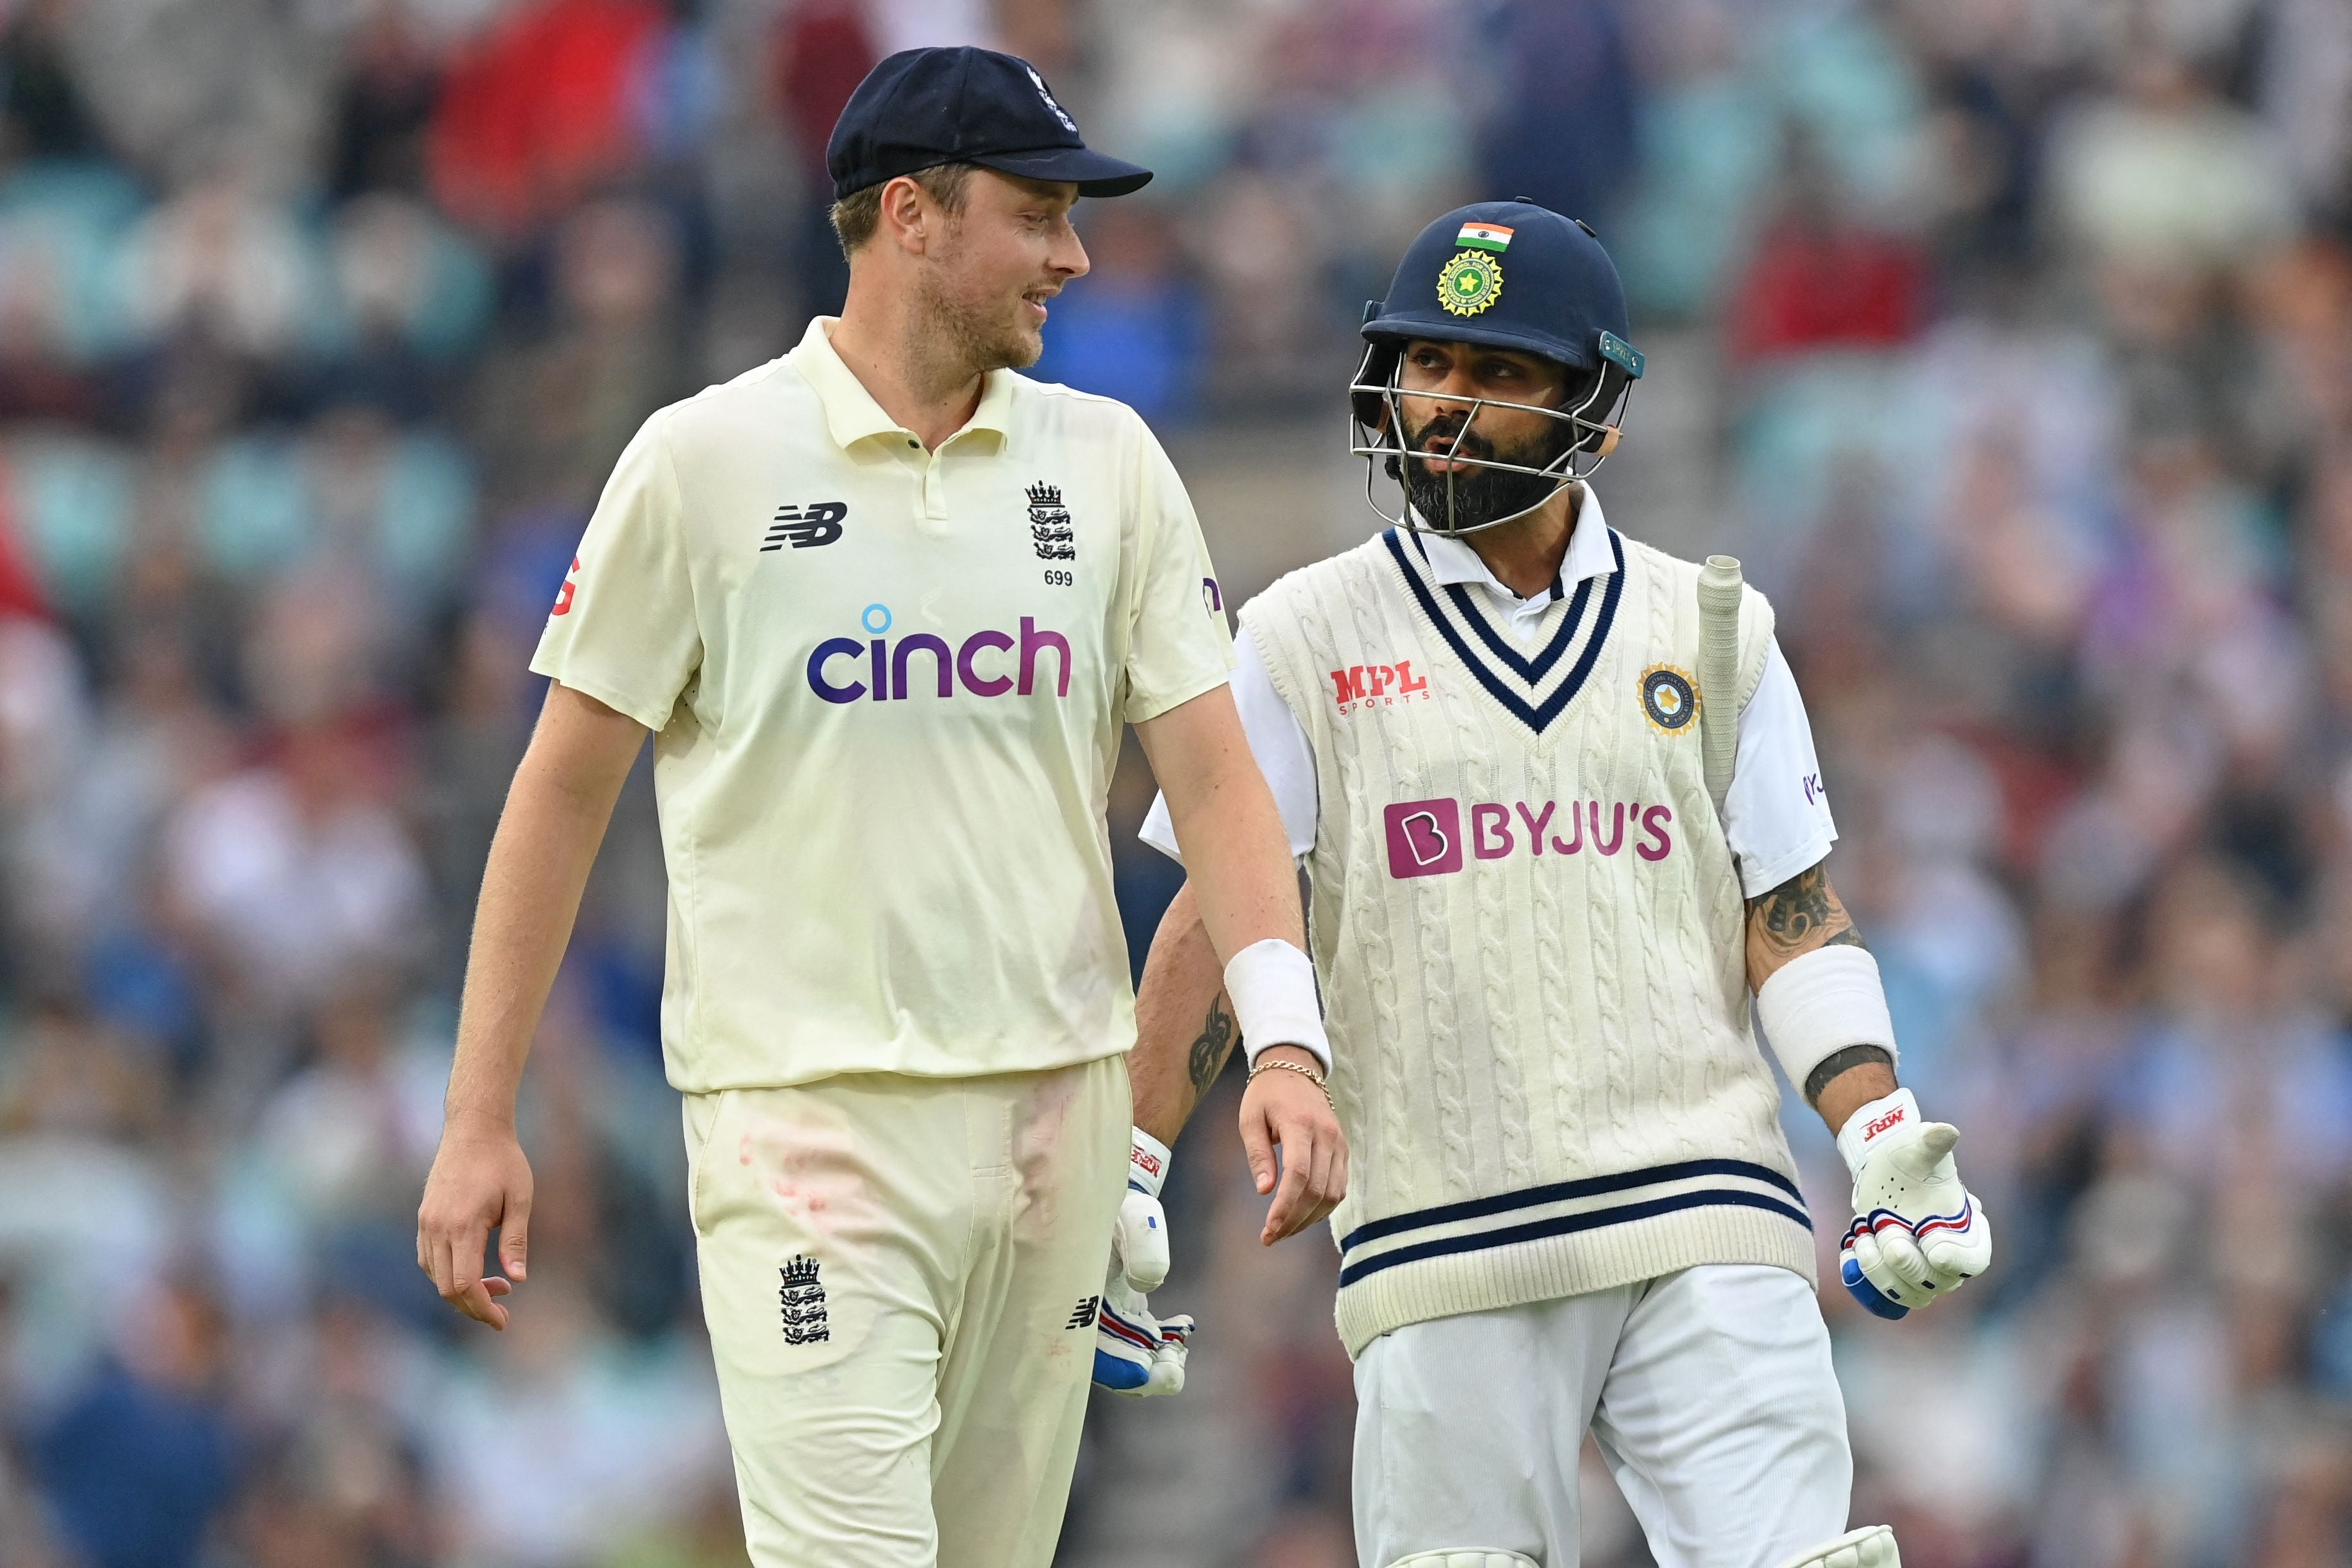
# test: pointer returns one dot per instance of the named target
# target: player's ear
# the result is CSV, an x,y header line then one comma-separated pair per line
x,y
904,218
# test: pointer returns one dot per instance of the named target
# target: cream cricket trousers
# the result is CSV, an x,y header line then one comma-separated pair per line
x,y
901,1276
1709,1390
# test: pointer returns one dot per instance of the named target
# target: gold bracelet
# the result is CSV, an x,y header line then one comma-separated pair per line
x,y
1310,1074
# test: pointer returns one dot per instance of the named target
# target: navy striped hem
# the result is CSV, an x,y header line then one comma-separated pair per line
x,y
1561,1192
1568,1225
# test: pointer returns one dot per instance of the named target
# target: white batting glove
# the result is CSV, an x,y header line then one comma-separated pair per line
x,y
1917,1234
1135,1351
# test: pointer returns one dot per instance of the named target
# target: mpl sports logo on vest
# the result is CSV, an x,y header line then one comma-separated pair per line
x,y
1427,838
1361,686
878,668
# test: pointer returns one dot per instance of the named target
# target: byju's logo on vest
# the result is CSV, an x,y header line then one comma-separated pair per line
x,y
1426,837
1012,663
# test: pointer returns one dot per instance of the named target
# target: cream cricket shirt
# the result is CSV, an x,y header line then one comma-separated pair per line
x,y
886,688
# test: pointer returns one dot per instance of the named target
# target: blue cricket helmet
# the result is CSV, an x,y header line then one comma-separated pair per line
x,y
1508,275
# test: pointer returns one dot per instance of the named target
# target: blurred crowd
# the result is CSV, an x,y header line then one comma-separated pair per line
x,y
2009,342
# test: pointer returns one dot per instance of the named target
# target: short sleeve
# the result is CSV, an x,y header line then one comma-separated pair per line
x,y
1777,814
1280,746
624,628
1178,642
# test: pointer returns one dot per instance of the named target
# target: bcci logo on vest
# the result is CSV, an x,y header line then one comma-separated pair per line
x,y
1669,701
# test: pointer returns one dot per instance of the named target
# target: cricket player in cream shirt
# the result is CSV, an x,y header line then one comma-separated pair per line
x,y
885,606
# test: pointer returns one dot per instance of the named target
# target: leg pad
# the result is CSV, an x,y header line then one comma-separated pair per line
x,y
1465,1557
1873,1546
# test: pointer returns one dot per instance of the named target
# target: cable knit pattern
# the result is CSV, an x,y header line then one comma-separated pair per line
x,y
1363,922
1558,1027
1495,960
1544,1059
1688,1077
1440,1017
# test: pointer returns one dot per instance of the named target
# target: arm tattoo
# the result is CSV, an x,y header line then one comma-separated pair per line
x,y
1212,1046
1800,914
1839,1062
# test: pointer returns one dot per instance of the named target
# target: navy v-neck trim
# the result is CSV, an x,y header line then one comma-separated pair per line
x,y
1536,717
1530,670
1533,670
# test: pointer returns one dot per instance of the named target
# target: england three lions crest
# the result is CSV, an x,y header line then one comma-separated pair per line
x,y
1050,528
804,1302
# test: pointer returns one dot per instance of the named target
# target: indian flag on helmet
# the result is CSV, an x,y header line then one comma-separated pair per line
x,y
1485,236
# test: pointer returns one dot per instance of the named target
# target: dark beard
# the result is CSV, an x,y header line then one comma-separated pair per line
x,y
1481,496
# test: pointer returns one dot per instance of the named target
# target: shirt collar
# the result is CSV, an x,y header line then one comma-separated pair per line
x,y
852,416
1453,561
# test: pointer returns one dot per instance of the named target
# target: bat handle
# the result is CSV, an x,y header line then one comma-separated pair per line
x,y
1720,587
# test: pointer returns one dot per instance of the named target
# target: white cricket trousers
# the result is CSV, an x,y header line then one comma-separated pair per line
x,y
1709,1391
901,1276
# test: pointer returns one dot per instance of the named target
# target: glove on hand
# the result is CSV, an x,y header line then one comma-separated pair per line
x,y
1917,1234
1135,1353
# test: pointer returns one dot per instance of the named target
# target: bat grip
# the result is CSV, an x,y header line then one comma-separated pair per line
x,y
1720,588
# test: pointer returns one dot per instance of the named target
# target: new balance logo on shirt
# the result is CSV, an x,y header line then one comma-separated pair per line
x,y
804,528
1082,1316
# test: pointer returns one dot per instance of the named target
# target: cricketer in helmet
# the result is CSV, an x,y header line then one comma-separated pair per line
x,y
1495,371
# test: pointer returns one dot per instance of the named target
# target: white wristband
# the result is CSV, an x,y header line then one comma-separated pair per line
x,y
1272,983
1146,1163
1819,1002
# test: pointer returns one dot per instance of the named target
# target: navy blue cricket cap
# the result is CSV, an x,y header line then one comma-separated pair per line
x,y
922,107
1510,275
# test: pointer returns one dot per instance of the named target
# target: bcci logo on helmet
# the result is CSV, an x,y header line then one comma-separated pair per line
x,y
1471,283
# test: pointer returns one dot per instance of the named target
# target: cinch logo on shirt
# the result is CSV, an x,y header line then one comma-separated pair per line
x,y
1426,837
1384,684
1011,664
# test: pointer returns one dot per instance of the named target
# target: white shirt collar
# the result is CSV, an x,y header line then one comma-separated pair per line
x,y
1453,561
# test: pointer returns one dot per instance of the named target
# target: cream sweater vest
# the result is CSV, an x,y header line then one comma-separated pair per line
x,y
1529,935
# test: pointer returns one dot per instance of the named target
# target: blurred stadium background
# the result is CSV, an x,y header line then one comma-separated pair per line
x,y
2009,340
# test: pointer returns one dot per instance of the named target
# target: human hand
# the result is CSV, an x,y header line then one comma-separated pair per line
x,y
1287,1107
1136,1352
1918,1234
480,1179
